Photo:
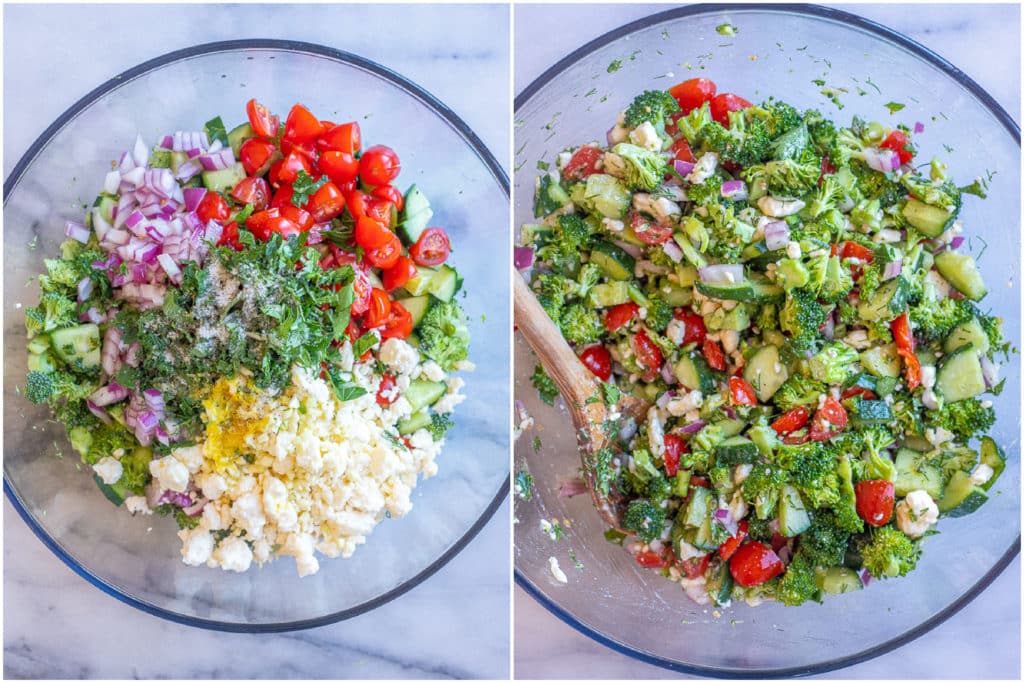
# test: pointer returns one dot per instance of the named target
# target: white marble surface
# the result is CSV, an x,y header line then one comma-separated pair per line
x,y
983,640
455,624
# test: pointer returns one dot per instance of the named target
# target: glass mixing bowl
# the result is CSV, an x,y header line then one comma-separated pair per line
x,y
137,559
779,51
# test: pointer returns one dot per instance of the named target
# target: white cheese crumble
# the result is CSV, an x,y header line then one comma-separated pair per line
x,y
916,513
556,571
109,470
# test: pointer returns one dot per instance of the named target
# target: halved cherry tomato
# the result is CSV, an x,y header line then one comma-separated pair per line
x,y
714,355
252,191
693,93
702,482
362,292
432,248
386,394
298,216
828,421
290,166
385,255
263,123
651,559
263,224
229,237
356,202
695,567
301,126
647,352
693,330
340,167
875,500
722,104
674,449
326,203
345,137
583,163
391,194
597,359
398,324
398,274
754,563
796,438
212,207
897,141
791,420
863,392
619,315
905,347
370,234
382,210
380,308
282,197
256,155
732,544
681,150
649,232
379,165
858,251
741,392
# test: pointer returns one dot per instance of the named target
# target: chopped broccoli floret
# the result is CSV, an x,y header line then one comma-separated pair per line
x,y
933,320
798,390
135,469
693,124
54,312
945,195
801,317
552,291
659,313
580,325
828,194
798,584
965,419
888,553
545,386
440,423
825,543
877,463
644,170
589,276
762,487
742,143
875,185
444,334
658,489
652,106
562,250
784,177
833,363
55,387
645,519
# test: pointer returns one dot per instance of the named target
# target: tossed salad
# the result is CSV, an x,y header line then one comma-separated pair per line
x,y
792,298
253,332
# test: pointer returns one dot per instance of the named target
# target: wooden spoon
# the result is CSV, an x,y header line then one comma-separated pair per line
x,y
582,394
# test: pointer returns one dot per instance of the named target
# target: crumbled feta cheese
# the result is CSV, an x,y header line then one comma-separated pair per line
x,y
779,208
738,506
432,371
399,356
887,236
109,470
916,513
858,339
197,546
614,165
928,376
642,203
683,404
191,457
981,474
676,331
703,169
655,433
646,136
741,472
137,504
793,250
613,225
232,554
556,571
170,474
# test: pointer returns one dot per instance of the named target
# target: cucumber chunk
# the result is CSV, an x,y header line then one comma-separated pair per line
x,y
969,332
962,496
930,221
78,346
422,393
962,272
912,475
793,517
417,307
993,456
414,422
837,580
419,284
415,215
765,372
238,135
224,180
613,261
693,373
609,294
736,450
445,283
881,361
960,376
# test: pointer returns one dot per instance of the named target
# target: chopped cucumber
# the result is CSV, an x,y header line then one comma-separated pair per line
x,y
416,213
736,450
872,412
962,496
837,580
445,283
225,179
609,294
930,221
969,332
417,307
730,291
693,372
993,456
960,376
962,272
613,261
881,361
765,372
419,284
887,302
238,135
78,346
793,517
414,422
422,393
913,474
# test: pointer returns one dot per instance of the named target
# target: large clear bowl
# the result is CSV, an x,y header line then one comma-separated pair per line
x,y
137,559
779,50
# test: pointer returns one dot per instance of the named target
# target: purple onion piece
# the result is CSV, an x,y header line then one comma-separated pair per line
x,y
683,168
522,257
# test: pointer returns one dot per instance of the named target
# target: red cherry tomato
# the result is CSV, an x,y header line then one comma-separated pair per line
x,y
340,167
356,202
681,151
263,123
212,207
583,163
379,165
858,251
649,232
370,234
863,392
905,347
344,137
741,392
722,104
432,248
263,224
229,237
694,330
301,126
792,420
647,352
729,548
897,141
875,501
693,93
382,210
598,361
714,355
386,393
256,155
391,194
651,560
282,197
326,203
290,166
398,324
695,567
252,191
385,255
380,308
754,564
619,315
298,216
700,481
829,421
361,292
398,274
674,449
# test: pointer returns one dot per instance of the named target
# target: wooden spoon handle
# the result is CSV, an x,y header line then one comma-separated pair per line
x,y
574,380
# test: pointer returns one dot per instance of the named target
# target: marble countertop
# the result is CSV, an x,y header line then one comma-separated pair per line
x,y
456,623
983,640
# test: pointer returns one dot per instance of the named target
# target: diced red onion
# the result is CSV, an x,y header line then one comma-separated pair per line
x,y
76,231
721,273
571,487
154,399
111,350
196,508
892,269
167,142
683,168
729,411
133,179
673,251
170,267
776,235
990,372
631,249
132,355
918,128
884,160
100,224
784,553
213,232
112,182
140,153
956,242
184,141
668,374
188,170
219,160
126,163
865,576
178,498
109,394
93,315
522,257
734,189
694,427
84,289
724,516
828,330
193,195
160,181
99,412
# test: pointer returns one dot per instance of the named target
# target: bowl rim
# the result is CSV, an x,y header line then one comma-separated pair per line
x,y
1007,121
347,58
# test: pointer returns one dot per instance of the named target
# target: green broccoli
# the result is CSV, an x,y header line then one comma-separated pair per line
x,y
778,117
945,195
645,519
659,313
767,317
875,185
762,487
56,387
966,419
826,197
867,213
707,193
440,423
562,251
838,281
652,106
135,469
932,320
812,469
825,543
728,234
823,133
552,291
741,143
801,317
798,390
580,325
784,177
877,463
792,144
644,170
589,276
798,584
658,489
545,386
444,334
693,124
887,552
55,311
833,364
107,438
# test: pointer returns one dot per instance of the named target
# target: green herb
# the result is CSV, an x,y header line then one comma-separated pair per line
x,y
345,390
546,387
542,165
395,441
614,536
243,214
894,107
615,66
536,444
304,186
726,29
215,130
365,343
524,485
572,556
